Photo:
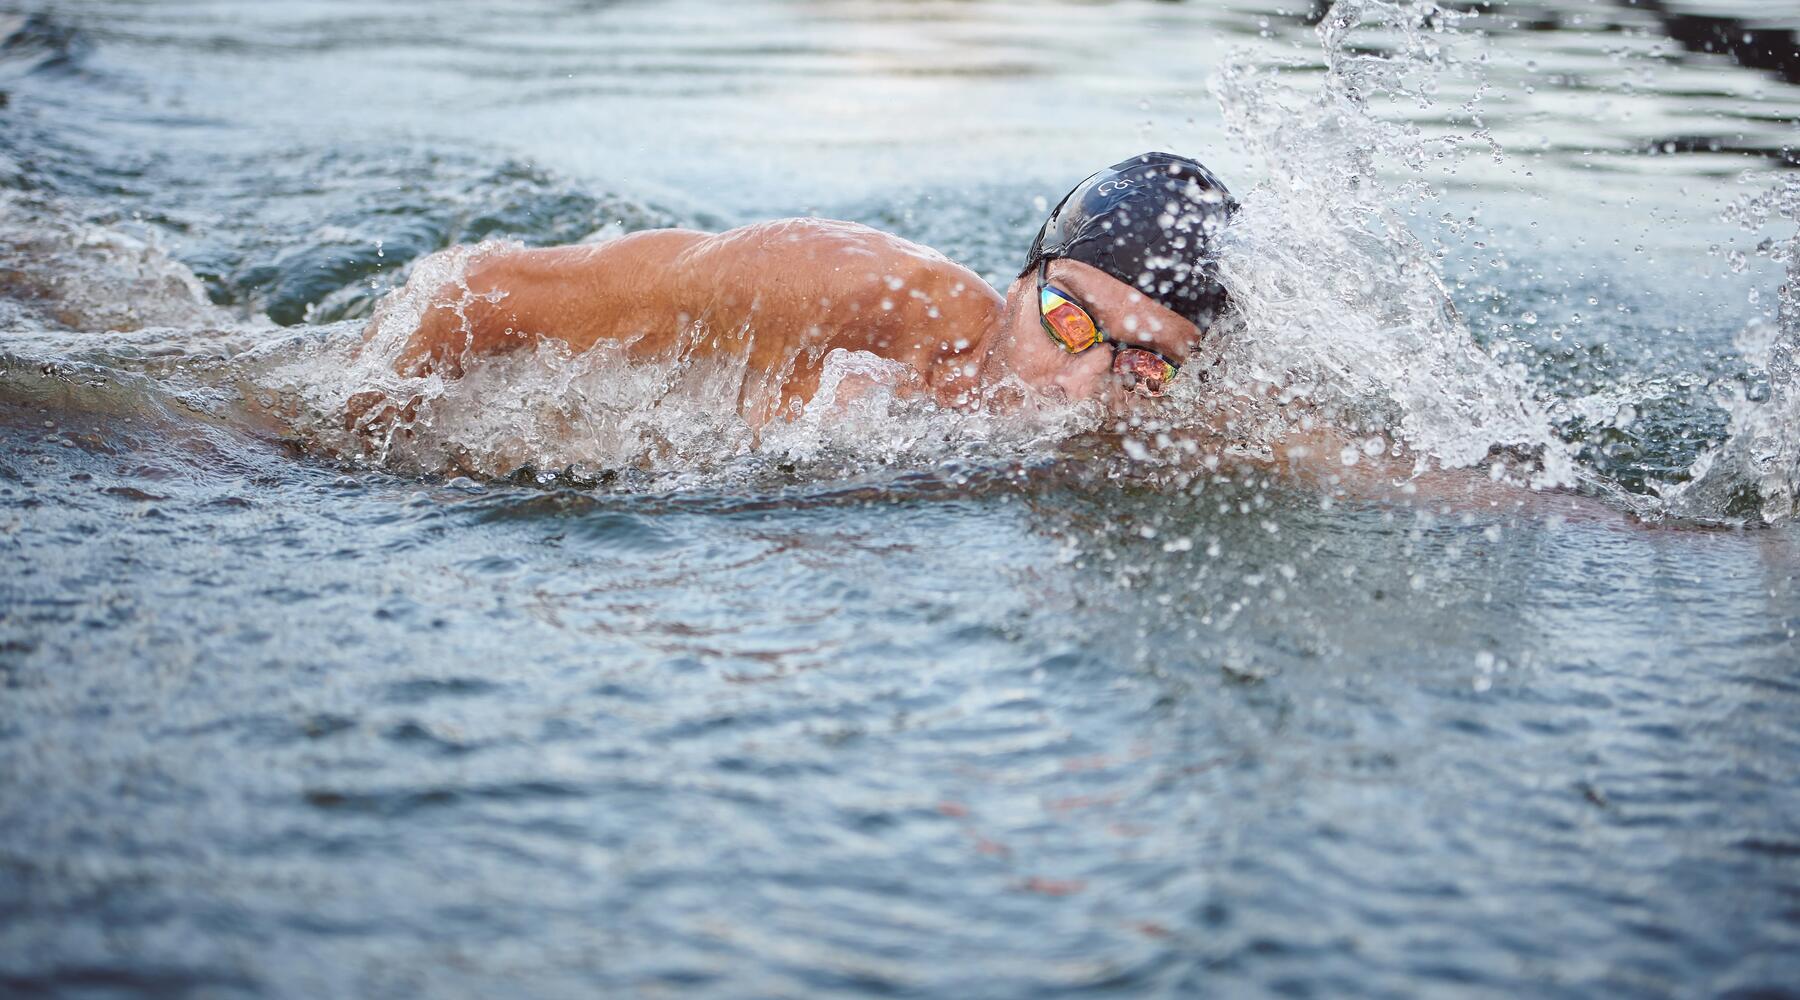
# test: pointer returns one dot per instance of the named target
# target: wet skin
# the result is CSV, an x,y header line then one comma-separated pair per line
x,y
784,294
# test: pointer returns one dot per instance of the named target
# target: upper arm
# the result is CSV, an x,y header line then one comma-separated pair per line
x,y
578,294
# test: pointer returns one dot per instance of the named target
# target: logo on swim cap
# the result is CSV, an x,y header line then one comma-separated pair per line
x,y
1152,222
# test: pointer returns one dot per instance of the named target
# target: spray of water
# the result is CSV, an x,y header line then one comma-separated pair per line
x,y
1755,471
1341,305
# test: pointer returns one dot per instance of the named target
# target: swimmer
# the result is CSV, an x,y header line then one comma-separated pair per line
x,y
1116,296
1117,299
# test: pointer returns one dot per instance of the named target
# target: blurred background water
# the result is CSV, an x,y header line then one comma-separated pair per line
x,y
275,725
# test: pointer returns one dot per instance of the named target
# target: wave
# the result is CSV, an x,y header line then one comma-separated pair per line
x,y
34,42
59,272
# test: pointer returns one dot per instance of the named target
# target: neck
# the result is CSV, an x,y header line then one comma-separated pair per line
x,y
992,365
960,376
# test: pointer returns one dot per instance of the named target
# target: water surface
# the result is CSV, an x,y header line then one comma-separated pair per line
x,y
279,724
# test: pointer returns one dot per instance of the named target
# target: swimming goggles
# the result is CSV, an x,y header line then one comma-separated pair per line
x,y
1075,331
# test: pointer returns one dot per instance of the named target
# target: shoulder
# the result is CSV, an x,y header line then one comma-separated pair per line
x,y
820,237
859,267
850,248
895,260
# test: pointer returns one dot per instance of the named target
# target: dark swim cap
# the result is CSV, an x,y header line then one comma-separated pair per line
x,y
1152,222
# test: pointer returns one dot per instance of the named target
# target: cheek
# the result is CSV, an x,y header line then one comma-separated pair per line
x,y
1043,364
1032,353
1085,375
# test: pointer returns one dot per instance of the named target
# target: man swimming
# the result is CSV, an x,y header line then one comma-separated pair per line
x,y
1117,294
1118,298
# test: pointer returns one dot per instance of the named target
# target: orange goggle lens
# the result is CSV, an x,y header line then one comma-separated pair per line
x,y
1067,323
1149,373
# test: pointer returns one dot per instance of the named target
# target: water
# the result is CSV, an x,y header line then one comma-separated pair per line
x,y
582,689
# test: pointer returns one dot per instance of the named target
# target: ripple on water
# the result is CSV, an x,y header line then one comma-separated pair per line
x,y
423,735
420,690
403,800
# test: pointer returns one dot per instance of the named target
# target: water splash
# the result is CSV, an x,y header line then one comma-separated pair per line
x,y
1341,305
1755,471
59,271
547,411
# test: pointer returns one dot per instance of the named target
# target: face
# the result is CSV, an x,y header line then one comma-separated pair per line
x,y
1127,316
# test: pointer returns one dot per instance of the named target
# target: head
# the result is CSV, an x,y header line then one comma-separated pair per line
x,y
1132,247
